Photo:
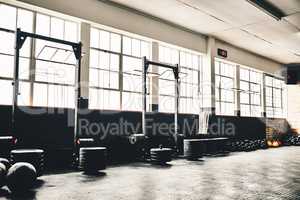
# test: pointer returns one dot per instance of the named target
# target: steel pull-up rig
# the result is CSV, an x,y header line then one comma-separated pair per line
x,y
20,40
175,70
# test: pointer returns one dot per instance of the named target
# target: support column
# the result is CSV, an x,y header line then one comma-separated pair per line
x,y
209,101
32,64
154,80
237,106
85,62
263,97
208,87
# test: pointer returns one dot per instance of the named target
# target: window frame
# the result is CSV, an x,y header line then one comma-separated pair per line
x,y
121,73
219,90
63,101
274,109
251,105
9,78
170,80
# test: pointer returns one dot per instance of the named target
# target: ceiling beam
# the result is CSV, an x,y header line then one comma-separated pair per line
x,y
268,8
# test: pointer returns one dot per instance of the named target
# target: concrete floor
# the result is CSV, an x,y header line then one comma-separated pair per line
x,y
264,174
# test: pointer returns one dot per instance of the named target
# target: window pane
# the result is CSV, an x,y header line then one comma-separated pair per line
x,y
25,50
40,95
24,68
95,38
145,49
136,47
166,87
25,20
10,13
114,80
114,62
55,73
104,78
94,58
189,60
115,42
268,80
7,89
6,66
127,45
42,24
114,101
244,98
256,111
132,83
245,110
132,101
104,40
217,67
24,97
244,74
71,31
57,28
108,100
94,79
93,99
166,104
132,65
7,43
104,60
183,61
195,62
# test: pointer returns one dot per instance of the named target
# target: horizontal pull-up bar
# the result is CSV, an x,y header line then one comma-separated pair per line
x,y
162,64
147,63
6,30
49,39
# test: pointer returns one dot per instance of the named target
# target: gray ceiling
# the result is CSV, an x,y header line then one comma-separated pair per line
x,y
234,21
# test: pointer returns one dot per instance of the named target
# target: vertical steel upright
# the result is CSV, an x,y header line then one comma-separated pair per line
x,y
177,93
19,41
77,52
144,91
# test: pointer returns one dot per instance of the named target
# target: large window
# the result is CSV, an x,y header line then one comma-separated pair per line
x,y
190,83
274,96
166,79
115,71
55,70
11,18
51,71
104,70
133,51
250,92
224,86
190,78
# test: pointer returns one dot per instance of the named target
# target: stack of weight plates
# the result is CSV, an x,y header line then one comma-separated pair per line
x,y
161,155
32,156
92,159
192,149
6,145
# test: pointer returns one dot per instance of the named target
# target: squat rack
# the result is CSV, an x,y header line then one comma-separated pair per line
x,y
19,41
175,69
